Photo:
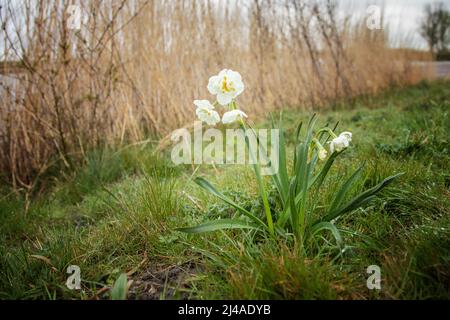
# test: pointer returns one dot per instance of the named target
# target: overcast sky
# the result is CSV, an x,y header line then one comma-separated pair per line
x,y
403,17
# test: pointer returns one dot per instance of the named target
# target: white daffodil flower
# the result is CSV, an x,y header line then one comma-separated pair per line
x,y
227,85
341,142
233,116
206,113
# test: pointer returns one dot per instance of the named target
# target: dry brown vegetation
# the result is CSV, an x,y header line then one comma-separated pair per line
x,y
135,66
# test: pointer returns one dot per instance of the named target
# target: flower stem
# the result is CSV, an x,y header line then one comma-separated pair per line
x,y
262,190
326,129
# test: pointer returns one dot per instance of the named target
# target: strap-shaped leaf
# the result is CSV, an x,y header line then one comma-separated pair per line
x,y
297,141
344,189
303,174
293,206
208,187
259,180
221,224
326,226
320,177
359,200
297,131
281,178
119,290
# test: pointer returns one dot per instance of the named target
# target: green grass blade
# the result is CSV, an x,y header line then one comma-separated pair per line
x,y
221,224
208,187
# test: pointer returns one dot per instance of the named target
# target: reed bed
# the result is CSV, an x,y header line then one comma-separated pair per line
x,y
132,70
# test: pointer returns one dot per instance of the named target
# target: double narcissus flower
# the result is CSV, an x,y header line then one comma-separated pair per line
x,y
226,86
206,113
341,142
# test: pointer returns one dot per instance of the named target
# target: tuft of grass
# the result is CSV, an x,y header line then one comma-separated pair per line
x,y
296,276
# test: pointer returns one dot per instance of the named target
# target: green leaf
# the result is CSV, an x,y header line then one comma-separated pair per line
x,y
292,206
326,226
208,187
302,184
297,131
320,177
281,179
219,225
262,190
297,140
119,290
359,200
344,189
301,175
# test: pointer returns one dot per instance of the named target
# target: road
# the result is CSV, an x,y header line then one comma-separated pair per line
x,y
442,69
439,69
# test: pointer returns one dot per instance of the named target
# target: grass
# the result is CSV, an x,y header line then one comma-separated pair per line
x,y
117,214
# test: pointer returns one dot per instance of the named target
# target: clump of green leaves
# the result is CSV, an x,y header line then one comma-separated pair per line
x,y
298,189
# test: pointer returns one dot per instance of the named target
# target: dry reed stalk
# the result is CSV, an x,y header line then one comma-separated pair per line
x,y
135,67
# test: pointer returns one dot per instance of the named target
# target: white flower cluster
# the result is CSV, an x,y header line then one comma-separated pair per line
x,y
226,86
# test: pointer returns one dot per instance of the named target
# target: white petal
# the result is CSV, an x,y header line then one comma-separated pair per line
x,y
228,117
209,116
239,88
232,116
200,112
340,143
213,119
346,143
222,73
234,76
242,113
224,99
213,85
203,104
347,135
238,85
